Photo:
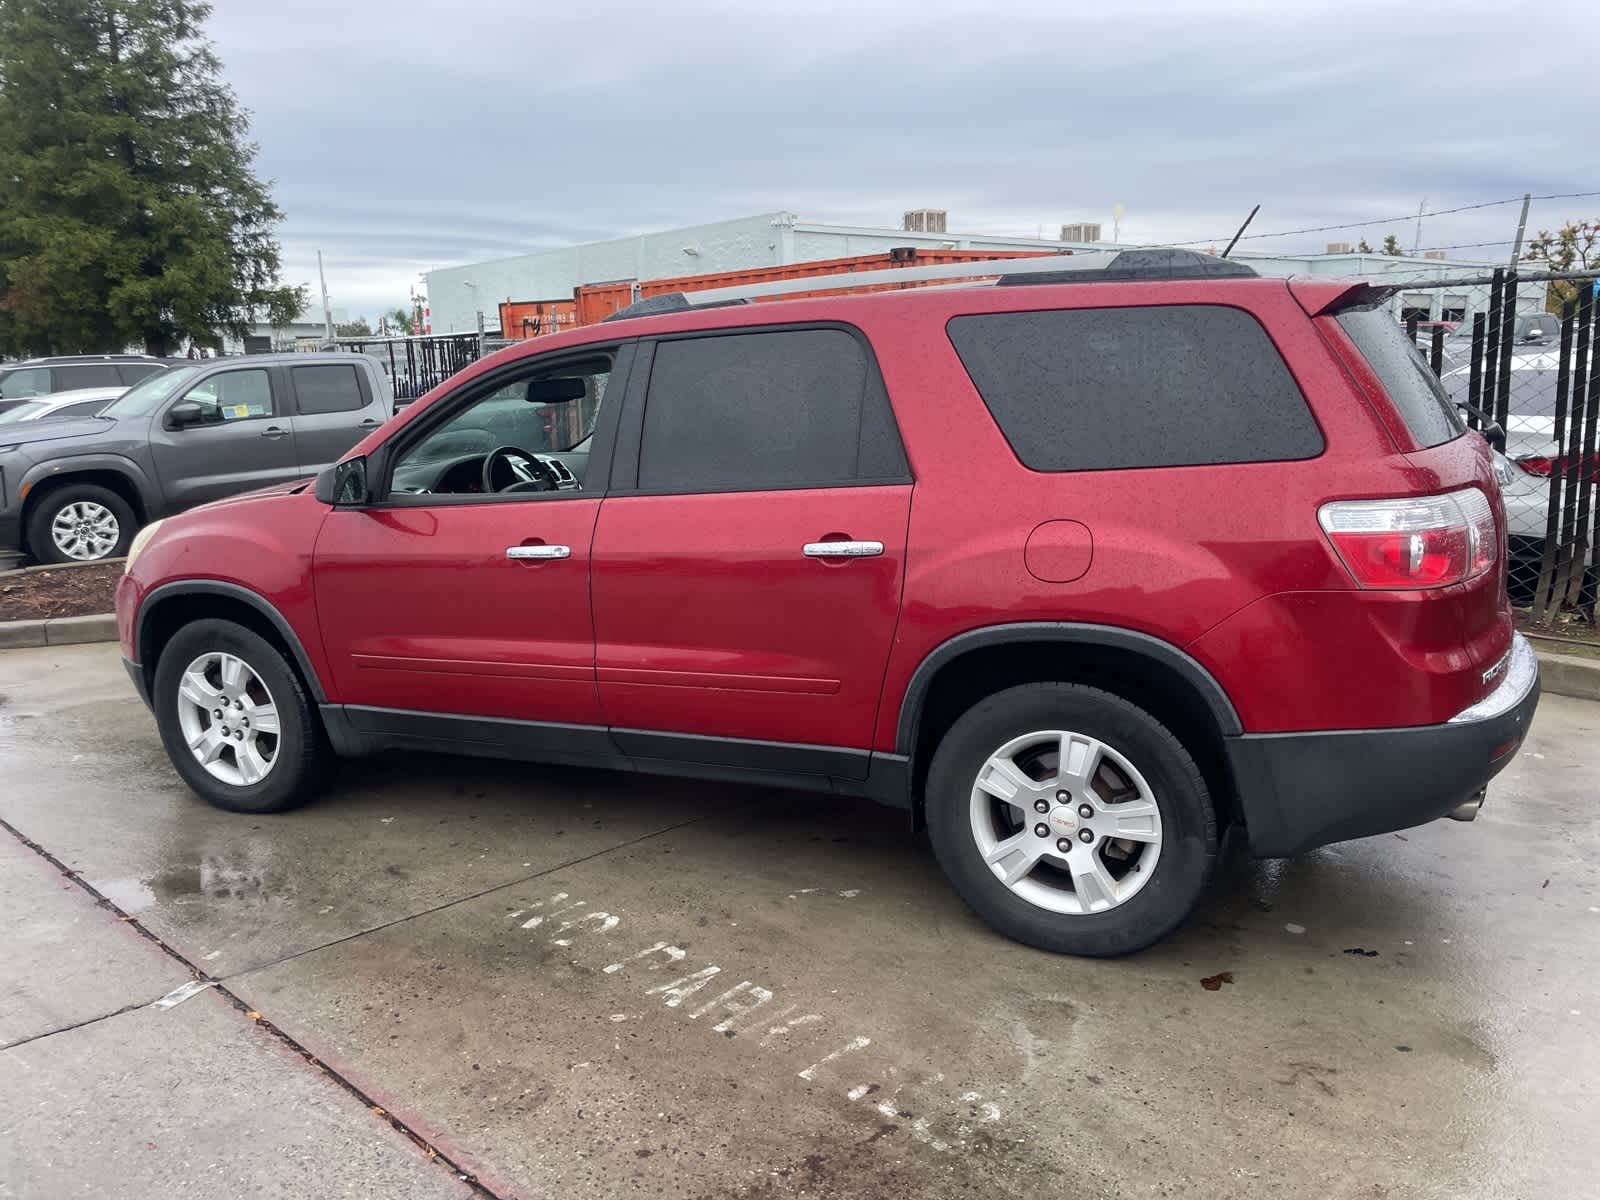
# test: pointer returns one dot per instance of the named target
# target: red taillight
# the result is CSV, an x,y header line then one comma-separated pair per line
x,y
1543,466
1415,541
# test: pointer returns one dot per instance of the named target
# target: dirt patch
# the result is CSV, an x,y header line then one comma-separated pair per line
x,y
65,592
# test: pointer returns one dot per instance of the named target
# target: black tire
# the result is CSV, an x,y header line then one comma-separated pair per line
x,y
43,547
302,754
1189,825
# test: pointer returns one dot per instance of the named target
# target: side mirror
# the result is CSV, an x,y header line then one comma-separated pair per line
x,y
184,414
344,485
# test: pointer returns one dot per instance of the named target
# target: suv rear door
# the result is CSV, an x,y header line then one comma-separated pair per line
x,y
335,407
245,441
719,612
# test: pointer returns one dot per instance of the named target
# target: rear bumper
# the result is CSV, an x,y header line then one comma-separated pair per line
x,y
1301,790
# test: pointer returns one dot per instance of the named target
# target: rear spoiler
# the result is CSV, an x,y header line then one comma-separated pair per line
x,y
1323,297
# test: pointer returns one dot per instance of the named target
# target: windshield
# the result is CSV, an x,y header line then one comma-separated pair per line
x,y
24,381
23,412
145,397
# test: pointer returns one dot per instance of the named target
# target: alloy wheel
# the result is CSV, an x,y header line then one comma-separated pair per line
x,y
228,718
1066,822
85,531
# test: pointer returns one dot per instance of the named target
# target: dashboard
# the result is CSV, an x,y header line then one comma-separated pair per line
x,y
462,475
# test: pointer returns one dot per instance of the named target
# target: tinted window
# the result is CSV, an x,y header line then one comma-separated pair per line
x,y
233,396
327,389
30,381
84,408
762,410
92,375
133,372
1405,375
1165,386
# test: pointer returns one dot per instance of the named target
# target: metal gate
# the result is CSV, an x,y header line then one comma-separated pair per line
x,y
416,365
1526,362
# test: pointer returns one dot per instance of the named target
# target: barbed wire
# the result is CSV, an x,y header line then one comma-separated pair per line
x,y
1442,212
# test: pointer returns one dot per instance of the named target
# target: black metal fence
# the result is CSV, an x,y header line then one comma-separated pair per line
x,y
1526,362
416,365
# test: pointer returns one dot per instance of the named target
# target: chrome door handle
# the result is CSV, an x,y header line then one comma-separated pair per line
x,y
274,431
538,551
843,549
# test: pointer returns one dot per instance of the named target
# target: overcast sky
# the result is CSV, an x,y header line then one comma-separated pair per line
x,y
417,134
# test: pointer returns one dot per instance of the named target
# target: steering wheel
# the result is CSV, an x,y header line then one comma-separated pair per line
x,y
513,469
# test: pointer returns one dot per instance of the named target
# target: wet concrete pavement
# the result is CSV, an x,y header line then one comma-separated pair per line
x,y
581,984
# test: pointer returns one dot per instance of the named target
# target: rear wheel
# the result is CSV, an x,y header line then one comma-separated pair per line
x,y
1070,819
236,721
80,522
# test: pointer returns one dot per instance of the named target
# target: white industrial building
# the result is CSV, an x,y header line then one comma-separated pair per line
x,y
458,295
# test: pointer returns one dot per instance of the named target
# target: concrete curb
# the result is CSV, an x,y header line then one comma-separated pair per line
x,y
99,562
1560,674
58,631
1569,675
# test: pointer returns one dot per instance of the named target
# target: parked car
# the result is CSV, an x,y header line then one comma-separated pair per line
x,y
62,406
45,376
1532,333
1081,568
1531,454
78,490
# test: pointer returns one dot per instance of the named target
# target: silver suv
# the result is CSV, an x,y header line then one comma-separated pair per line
x,y
78,490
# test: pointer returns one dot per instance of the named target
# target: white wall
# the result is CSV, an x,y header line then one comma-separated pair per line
x,y
456,294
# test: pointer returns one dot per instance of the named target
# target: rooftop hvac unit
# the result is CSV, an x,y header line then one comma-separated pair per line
x,y
1082,231
924,220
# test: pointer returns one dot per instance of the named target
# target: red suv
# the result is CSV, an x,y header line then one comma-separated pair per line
x,y
1081,567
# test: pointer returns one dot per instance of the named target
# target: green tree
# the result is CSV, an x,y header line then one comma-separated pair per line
x,y
1363,247
1573,247
402,320
356,328
1391,246
129,210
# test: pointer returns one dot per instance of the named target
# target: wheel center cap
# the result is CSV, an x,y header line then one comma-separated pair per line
x,y
1064,819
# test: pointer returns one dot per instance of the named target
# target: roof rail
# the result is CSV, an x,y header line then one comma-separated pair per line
x,y
1079,266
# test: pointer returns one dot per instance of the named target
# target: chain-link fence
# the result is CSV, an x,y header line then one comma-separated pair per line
x,y
1520,354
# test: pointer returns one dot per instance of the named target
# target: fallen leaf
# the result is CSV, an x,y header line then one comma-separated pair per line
x,y
1213,983
1360,953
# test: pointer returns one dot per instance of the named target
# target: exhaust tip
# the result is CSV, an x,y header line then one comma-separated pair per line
x,y
1467,810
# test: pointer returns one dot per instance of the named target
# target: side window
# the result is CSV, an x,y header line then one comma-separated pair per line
x,y
86,408
233,396
30,381
132,373
1160,386
772,409
329,388
547,415
86,376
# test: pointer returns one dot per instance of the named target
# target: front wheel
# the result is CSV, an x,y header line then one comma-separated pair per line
x,y
235,719
1070,819
80,523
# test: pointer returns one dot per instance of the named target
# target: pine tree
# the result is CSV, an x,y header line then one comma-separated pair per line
x,y
129,210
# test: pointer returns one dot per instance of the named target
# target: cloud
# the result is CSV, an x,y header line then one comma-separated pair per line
x,y
410,137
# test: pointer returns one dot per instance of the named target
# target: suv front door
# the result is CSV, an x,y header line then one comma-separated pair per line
x,y
444,601
243,440
721,616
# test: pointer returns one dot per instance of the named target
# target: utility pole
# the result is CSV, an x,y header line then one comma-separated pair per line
x,y
327,311
1417,245
1522,227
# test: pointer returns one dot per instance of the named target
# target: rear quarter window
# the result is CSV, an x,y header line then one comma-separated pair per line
x,y
1156,386
1409,381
